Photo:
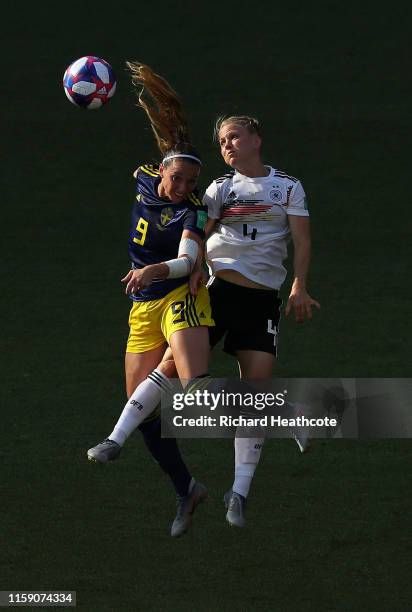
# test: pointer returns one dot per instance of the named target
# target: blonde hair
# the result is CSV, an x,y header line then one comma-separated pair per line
x,y
250,123
164,109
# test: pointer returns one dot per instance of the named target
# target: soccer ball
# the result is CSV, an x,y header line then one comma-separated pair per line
x,y
89,82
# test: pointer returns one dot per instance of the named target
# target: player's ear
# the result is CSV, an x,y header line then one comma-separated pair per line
x,y
161,169
258,141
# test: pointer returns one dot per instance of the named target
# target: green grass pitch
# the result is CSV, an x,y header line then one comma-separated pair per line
x,y
326,531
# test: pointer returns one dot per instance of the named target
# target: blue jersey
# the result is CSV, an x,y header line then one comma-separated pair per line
x,y
156,229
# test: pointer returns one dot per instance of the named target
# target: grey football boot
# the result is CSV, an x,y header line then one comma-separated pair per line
x,y
235,505
302,440
108,450
186,506
300,433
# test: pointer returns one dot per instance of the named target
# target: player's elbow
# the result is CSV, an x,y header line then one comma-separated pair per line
x,y
302,244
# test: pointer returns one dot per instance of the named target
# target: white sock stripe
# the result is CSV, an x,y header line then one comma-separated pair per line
x,y
160,380
165,381
156,380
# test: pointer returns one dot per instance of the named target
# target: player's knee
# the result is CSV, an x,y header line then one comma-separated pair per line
x,y
167,368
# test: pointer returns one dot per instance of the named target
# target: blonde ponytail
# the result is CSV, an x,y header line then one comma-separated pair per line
x,y
163,107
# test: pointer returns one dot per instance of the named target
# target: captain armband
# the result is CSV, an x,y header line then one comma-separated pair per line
x,y
184,263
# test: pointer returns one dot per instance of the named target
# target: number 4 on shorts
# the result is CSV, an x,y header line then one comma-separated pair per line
x,y
272,329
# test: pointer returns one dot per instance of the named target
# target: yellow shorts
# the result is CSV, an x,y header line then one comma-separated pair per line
x,y
152,323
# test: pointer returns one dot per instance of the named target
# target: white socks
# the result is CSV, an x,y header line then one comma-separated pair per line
x,y
141,403
247,455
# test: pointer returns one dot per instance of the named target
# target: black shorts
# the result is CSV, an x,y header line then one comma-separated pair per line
x,y
248,318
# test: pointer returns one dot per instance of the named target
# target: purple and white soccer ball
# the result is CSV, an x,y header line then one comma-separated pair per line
x,y
89,82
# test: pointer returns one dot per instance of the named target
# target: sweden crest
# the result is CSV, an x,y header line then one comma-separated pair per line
x,y
166,215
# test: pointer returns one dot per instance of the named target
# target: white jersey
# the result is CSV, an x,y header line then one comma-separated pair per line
x,y
253,230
